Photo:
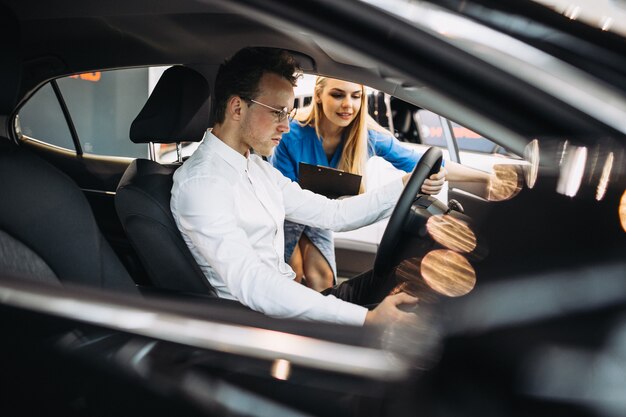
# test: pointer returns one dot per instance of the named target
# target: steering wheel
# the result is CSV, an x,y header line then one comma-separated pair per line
x,y
429,164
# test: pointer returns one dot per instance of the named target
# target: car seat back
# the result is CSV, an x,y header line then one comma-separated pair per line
x,y
47,229
178,109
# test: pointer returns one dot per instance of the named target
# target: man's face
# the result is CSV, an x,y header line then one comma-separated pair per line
x,y
261,129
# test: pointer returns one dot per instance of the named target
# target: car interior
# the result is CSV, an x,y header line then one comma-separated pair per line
x,y
103,310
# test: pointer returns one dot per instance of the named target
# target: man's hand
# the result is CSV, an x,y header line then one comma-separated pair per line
x,y
387,311
433,184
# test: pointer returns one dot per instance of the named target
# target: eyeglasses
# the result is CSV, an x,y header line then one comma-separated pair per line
x,y
281,114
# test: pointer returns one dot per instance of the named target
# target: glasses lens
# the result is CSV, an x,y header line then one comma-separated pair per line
x,y
284,114
292,114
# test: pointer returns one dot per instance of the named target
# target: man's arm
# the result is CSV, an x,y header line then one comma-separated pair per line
x,y
215,233
306,207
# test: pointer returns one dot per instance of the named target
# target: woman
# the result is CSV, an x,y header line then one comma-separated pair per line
x,y
335,131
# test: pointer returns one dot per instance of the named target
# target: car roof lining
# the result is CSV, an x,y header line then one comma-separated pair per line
x,y
154,37
123,34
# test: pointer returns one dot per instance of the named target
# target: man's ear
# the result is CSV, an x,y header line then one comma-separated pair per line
x,y
234,107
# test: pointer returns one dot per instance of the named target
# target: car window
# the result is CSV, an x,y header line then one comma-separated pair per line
x,y
468,140
472,150
42,118
101,106
430,128
166,153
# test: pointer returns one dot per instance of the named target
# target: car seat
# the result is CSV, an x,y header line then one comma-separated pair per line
x,y
48,232
403,120
178,109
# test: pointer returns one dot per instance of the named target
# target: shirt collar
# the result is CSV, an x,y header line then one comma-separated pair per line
x,y
231,156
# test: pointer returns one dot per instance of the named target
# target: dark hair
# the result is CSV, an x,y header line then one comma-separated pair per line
x,y
240,75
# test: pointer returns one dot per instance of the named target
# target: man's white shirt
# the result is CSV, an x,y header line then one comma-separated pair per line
x,y
230,210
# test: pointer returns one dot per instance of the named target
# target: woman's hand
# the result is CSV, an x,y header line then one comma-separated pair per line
x,y
433,184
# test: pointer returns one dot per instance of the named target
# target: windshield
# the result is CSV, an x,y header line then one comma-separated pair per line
x,y
604,14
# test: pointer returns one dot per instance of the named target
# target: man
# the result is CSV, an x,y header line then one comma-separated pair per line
x,y
230,205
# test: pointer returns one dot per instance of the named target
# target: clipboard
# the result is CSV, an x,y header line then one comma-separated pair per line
x,y
331,182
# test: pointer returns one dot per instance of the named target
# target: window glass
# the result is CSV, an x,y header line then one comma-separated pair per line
x,y
166,152
476,151
103,106
468,140
41,118
430,128
404,120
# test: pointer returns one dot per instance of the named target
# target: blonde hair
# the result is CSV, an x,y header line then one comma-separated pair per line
x,y
355,147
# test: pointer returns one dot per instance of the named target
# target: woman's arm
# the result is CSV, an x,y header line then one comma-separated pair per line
x,y
405,159
458,172
389,148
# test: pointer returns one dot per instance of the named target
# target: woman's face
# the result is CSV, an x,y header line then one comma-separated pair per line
x,y
341,101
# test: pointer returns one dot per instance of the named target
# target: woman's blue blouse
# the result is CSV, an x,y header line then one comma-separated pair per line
x,y
302,144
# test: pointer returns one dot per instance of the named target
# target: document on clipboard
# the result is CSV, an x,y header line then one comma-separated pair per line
x,y
327,181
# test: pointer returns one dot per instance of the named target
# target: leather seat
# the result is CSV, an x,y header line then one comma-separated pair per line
x,y
48,232
177,110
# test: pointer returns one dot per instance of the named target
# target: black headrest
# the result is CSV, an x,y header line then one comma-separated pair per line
x,y
177,110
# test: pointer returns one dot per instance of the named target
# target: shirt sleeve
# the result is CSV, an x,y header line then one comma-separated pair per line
x,y
283,158
306,207
389,148
215,233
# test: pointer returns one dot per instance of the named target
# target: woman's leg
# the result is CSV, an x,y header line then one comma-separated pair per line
x,y
293,255
296,263
318,273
